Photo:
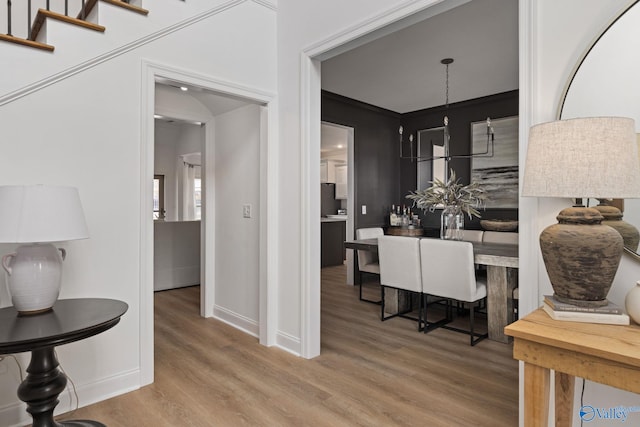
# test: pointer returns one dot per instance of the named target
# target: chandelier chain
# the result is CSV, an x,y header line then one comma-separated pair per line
x,y
446,104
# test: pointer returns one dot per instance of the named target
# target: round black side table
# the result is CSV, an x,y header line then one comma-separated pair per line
x,y
70,320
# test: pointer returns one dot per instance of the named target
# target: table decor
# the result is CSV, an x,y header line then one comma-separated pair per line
x,y
455,200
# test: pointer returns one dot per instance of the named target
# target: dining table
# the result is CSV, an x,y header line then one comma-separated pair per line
x,y
501,261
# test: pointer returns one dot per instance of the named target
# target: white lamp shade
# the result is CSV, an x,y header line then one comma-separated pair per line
x,y
41,213
585,157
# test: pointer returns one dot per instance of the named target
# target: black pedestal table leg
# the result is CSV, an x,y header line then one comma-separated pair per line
x,y
40,390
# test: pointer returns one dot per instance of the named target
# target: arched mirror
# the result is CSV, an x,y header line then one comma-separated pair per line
x,y
607,83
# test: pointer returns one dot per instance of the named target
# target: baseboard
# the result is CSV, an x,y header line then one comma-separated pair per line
x,y
236,320
15,414
288,343
284,341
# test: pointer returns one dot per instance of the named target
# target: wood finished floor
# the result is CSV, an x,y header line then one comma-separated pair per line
x,y
370,373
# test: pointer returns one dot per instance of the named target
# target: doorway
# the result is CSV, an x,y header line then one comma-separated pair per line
x,y
336,151
177,203
224,112
312,76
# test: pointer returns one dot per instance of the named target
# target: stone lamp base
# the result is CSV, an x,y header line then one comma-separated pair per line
x,y
613,218
581,256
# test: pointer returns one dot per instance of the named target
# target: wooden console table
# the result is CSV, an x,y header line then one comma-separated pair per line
x,y
405,231
607,354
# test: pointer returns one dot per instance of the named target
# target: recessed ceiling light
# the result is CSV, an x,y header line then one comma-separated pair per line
x,y
339,145
184,88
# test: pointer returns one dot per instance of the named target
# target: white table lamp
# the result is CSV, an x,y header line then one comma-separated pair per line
x,y
38,215
595,157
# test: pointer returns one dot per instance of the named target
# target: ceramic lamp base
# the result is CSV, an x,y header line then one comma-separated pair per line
x,y
581,256
34,272
613,218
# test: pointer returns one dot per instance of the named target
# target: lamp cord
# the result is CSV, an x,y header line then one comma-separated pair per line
x,y
582,400
17,363
72,391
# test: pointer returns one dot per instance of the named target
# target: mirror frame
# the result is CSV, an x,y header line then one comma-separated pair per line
x,y
575,72
422,166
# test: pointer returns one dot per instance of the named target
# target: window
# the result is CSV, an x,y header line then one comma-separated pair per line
x,y
158,197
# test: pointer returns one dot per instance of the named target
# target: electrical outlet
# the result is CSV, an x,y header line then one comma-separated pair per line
x,y
246,211
364,209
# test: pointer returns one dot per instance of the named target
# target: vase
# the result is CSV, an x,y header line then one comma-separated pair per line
x,y
632,303
581,256
451,223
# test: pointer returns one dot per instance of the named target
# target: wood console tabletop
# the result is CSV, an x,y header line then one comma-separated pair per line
x,y
607,354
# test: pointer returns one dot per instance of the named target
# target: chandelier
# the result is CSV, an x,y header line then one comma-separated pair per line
x,y
447,156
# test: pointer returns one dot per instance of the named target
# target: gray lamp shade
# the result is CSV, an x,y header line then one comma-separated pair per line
x,y
585,157
40,213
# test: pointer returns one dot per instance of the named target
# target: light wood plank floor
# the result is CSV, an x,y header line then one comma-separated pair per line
x,y
370,373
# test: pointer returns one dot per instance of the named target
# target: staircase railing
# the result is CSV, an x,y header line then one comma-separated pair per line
x,y
30,15
80,13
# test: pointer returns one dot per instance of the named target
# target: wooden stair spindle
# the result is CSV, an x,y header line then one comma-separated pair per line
x,y
42,14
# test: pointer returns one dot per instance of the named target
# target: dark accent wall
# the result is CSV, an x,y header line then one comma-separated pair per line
x,y
461,115
381,177
376,159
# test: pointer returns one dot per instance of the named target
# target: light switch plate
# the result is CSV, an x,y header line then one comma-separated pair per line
x,y
364,209
246,211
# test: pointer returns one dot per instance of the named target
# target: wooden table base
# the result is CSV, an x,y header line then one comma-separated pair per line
x,y
607,354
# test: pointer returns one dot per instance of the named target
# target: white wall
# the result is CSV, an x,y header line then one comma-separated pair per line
x,y
85,130
165,164
562,33
236,178
74,45
171,141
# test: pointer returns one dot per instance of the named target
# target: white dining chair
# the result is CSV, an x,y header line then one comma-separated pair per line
x,y
448,272
368,261
400,268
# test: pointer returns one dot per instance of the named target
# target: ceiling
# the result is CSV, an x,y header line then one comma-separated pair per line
x,y
334,141
402,71
217,103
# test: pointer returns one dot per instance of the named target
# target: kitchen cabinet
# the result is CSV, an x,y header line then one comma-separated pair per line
x,y
328,170
341,182
333,234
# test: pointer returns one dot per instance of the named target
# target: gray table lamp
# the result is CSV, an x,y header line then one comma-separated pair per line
x,y
595,157
36,216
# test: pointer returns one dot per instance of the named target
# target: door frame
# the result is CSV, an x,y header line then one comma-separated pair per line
x,y
310,116
267,286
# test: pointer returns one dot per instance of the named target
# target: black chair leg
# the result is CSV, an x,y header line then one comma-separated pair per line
x,y
432,326
472,333
360,291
